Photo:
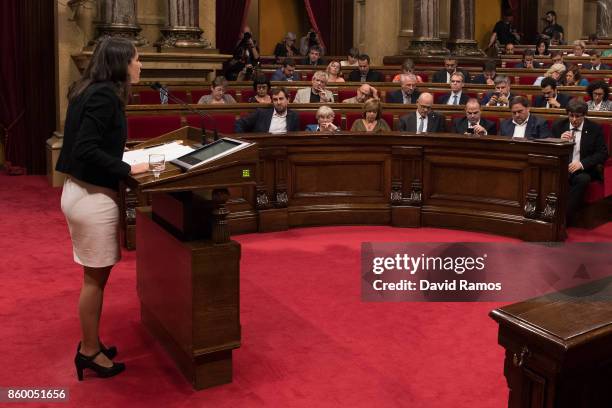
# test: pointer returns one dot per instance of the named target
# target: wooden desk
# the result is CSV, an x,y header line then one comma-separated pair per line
x,y
559,348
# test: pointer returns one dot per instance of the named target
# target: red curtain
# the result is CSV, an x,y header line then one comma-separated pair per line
x,y
319,15
228,26
27,82
12,107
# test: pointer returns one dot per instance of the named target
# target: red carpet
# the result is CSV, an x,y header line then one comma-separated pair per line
x,y
308,340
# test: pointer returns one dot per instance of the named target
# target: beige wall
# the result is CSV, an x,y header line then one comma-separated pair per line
x,y
377,28
488,12
276,17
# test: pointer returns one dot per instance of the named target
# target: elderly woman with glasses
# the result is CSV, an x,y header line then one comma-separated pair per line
x,y
372,120
325,118
556,71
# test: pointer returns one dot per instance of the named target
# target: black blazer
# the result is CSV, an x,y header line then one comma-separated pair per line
x,y
563,100
440,76
536,128
94,137
590,66
435,123
372,76
259,121
443,100
397,97
593,149
460,125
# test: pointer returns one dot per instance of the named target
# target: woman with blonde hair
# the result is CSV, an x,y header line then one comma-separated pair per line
x,y
372,118
334,71
555,71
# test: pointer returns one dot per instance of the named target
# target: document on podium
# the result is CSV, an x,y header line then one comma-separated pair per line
x,y
171,151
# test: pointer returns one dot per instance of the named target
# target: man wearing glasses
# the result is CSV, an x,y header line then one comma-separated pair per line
x,y
590,151
424,120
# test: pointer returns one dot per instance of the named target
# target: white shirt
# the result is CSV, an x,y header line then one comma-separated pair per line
x,y
452,96
448,77
407,98
519,130
278,123
577,137
418,123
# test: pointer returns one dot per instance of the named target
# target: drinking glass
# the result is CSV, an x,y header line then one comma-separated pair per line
x,y
157,164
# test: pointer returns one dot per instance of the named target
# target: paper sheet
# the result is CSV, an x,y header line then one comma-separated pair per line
x,y
171,150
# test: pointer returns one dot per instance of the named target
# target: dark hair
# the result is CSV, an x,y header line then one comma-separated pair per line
x,y
599,85
490,66
109,62
261,80
549,81
552,13
555,53
519,100
289,62
364,57
507,12
577,106
542,41
594,53
314,48
576,71
278,89
353,52
528,53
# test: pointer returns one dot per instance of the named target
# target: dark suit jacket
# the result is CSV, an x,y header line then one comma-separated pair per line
x,y
563,99
460,125
94,137
536,128
259,121
443,100
479,79
435,123
440,76
373,76
593,149
306,61
397,97
589,66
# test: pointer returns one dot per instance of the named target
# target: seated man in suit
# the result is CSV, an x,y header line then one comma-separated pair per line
x,y
408,93
501,96
314,56
325,121
523,124
596,64
472,123
450,67
317,93
363,73
488,74
364,93
590,151
286,72
550,97
456,95
277,119
424,120
529,61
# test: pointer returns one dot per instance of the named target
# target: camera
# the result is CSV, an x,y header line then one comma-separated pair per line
x,y
247,36
470,130
312,36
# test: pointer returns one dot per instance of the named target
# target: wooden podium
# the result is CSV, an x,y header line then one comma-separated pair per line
x,y
559,348
187,266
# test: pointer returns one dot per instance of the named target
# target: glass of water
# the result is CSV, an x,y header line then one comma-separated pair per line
x,y
157,164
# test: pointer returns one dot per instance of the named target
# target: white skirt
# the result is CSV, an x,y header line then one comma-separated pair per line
x,y
92,214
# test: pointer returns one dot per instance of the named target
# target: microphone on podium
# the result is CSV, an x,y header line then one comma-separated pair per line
x,y
165,93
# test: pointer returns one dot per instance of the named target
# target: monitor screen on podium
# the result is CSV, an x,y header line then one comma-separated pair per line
x,y
210,152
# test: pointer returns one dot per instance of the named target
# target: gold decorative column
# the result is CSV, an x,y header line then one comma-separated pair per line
x,y
461,41
117,18
426,39
182,29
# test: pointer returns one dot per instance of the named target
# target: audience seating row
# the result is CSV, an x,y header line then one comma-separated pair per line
x,y
144,124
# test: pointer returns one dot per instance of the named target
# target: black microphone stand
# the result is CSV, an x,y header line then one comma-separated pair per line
x,y
158,87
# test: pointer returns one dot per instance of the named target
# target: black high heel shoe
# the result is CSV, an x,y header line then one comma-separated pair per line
x,y
82,361
110,352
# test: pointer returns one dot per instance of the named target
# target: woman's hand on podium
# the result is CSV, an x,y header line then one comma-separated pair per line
x,y
139,168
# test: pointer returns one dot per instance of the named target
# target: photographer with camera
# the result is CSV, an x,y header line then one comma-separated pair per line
x,y
311,39
245,58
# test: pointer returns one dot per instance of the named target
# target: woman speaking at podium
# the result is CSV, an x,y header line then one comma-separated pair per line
x,y
91,157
